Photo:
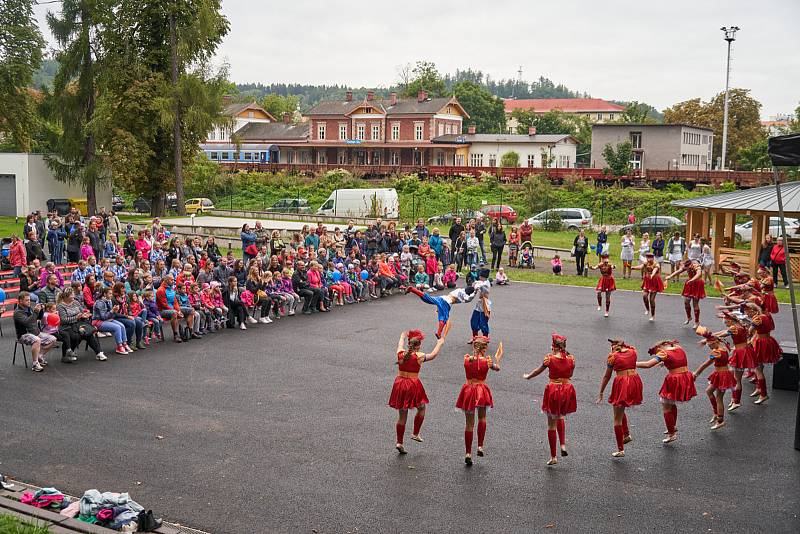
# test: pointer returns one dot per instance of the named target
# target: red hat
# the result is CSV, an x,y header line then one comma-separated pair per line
x,y
558,339
415,334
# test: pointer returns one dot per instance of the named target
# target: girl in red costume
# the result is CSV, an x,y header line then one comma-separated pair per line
x,y
721,379
626,391
768,291
407,391
678,385
606,282
741,359
765,349
652,284
559,394
475,394
694,289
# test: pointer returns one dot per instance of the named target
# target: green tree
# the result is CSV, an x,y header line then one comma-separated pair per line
x,y
277,104
485,110
618,160
637,113
744,121
538,193
21,45
754,156
509,159
204,178
424,77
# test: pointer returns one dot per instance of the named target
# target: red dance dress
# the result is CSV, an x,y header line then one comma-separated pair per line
x,y
475,393
765,348
742,357
606,281
407,391
695,289
559,395
722,378
650,283
768,288
678,385
626,391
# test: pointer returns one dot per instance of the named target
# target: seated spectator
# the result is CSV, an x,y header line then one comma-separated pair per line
x,y
26,324
75,327
103,319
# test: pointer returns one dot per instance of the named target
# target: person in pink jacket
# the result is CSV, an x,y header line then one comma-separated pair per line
x,y
17,256
50,268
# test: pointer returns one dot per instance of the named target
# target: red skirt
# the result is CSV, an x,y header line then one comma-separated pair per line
x,y
742,358
678,387
722,380
559,399
626,391
606,283
770,303
407,393
474,396
766,350
653,285
694,289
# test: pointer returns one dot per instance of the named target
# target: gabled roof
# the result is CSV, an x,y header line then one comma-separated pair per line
x,y
756,199
274,131
572,105
334,107
238,107
503,138
374,104
404,106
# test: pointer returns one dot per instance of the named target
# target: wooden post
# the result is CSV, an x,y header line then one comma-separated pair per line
x,y
730,228
718,225
705,223
760,227
691,217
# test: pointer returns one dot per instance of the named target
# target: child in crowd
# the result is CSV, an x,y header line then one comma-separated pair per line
x,y
273,290
359,286
450,276
50,319
220,310
430,267
288,288
445,255
526,257
501,278
86,249
421,278
405,260
438,278
196,301
556,263
472,275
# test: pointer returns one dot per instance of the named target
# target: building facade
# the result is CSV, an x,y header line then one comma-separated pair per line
x,y
595,110
657,146
535,151
240,114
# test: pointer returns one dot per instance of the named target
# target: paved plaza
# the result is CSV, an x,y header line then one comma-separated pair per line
x,y
285,428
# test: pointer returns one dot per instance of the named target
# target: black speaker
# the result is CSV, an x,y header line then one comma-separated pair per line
x,y
786,373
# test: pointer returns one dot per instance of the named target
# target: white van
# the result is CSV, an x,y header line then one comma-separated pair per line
x,y
362,203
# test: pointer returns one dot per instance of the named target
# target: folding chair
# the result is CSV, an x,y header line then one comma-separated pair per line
x,y
19,343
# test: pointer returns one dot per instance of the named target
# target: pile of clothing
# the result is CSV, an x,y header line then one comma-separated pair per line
x,y
49,498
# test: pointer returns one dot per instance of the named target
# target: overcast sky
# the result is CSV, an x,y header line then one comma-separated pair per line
x,y
657,52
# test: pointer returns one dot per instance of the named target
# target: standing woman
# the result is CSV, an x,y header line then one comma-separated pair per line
x,y
707,261
678,385
602,241
407,391
460,250
559,395
652,284
644,248
676,247
628,244
721,379
497,241
580,246
248,238
742,358
658,248
694,289
475,394
695,248
626,391
606,282
765,349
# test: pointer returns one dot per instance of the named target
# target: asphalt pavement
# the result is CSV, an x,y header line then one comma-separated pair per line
x,y
285,428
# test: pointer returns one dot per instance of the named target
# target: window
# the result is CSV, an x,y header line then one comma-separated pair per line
x,y
492,160
360,129
376,157
636,139
418,132
440,157
224,155
376,132
213,155
212,135
476,160
531,160
250,115
636,161
599,116
328,205
341,157
563,161
321,130
705,139
441,129
247,156
395,132
342,132
459,161
394,159
322,158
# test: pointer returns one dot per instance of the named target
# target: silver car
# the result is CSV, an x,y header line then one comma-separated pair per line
x,y
571,218
744,231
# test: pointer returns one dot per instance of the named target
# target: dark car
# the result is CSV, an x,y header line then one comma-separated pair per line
x,y
117,203
141,205
663,223
448,218
290,205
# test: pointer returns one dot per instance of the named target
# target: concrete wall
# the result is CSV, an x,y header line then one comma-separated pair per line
x,y
661,144
35,183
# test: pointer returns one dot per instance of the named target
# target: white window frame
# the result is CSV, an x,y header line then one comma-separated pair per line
x,y
394,157
213,155
342,132
476,160
322,157
636,136
341,157
419,131
361,130
532,160
321,131
395,131
441,129
376,132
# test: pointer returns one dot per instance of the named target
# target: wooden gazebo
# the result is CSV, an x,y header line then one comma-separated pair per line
x,y
715,216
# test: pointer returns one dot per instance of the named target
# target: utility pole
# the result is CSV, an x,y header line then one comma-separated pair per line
x,y
730,37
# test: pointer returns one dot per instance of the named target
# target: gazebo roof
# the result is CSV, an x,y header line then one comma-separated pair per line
x,y
763,199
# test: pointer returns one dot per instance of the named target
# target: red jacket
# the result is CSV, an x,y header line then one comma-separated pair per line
x,y
161,300
778,255
17,256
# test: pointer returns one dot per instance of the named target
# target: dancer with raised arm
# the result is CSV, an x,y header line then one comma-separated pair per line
x,y
742,358
721,380
407,391
626,391
652,284
444,303
694,289
606,282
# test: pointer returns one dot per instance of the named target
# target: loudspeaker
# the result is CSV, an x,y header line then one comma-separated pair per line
x,y
786,373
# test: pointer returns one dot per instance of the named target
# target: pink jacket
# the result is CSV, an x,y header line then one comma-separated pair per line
x,y
17,255
450,277
314,279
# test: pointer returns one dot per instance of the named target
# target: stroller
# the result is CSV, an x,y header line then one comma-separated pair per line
x,y
525,258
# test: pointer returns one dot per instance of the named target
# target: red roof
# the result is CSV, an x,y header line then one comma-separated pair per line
x,y
573,105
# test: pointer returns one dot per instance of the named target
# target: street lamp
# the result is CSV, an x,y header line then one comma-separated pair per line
x,y
730,36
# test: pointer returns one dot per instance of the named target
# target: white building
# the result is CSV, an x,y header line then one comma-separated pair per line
x,y
240,114
535,150
26,184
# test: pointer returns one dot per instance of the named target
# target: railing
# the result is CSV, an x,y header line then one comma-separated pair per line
x,y
716,178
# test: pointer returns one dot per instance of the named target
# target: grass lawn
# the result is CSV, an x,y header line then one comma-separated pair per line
x,y
12,525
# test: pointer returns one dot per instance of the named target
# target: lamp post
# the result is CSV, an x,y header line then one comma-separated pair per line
x,y
730,36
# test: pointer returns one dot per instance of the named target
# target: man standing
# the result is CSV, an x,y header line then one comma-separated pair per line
x,y
455,231
480,229
525,232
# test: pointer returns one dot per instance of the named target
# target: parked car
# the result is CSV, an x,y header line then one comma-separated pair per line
x,y
744,231
141,205
198,206
503,212
63,205
117,203
571,218
448,218
662,223
290,205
